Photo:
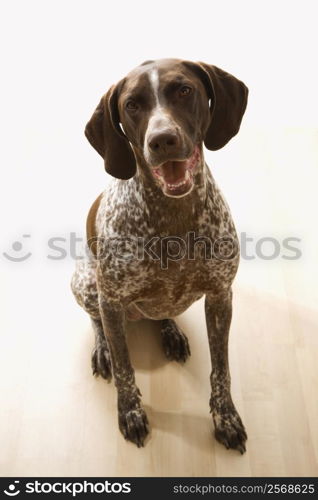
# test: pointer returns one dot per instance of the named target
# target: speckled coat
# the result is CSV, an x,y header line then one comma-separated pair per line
x,y
159,289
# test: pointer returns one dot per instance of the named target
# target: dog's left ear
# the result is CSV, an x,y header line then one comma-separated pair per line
x,y
228,100
104,133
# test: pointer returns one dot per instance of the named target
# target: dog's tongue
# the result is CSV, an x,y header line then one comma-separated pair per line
x,y
173,171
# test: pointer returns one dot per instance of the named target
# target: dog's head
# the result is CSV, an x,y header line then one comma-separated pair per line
x,y
160,115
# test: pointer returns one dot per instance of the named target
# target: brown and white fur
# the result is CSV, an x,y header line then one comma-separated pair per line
x,y
150,129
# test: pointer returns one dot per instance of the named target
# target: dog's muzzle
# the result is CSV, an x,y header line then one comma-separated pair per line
x,y
176,177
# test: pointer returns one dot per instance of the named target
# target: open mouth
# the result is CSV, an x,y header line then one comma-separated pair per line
x,y
176,176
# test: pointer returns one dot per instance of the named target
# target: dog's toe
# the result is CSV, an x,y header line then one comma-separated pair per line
x,y
231,438
230,431
174,341
101,364
134,426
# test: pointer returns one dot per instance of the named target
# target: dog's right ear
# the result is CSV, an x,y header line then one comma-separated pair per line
x,y
104,133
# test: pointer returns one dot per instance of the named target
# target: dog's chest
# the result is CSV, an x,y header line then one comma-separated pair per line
x,y
166,271
171,291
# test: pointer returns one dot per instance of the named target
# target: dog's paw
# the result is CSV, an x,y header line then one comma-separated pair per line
x,y
101,363
175,343
133,424
229,430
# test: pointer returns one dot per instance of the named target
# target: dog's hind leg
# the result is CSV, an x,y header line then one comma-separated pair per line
x,y
174,342
101,361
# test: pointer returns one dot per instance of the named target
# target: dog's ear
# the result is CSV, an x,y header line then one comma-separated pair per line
x,y
228,100
105,135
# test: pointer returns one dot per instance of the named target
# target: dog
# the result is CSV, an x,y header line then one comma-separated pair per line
x,y
150,129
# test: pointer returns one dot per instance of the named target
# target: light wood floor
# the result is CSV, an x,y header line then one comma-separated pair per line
x,y
56,419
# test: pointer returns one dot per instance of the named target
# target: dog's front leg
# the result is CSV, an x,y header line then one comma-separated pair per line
x,y
132,418
229,429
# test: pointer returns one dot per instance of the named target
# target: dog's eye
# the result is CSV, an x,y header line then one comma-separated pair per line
x,y
131,105
185,90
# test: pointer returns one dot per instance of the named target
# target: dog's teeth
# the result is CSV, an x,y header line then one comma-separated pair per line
x,y
174,186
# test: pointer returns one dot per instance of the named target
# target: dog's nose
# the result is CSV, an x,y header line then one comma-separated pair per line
x,y
163,141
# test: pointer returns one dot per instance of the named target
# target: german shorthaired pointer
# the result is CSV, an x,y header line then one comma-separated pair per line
x,y
161,235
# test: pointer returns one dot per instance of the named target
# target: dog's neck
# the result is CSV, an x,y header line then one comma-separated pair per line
x,y
168,215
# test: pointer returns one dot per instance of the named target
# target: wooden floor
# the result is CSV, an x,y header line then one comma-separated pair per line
x,y
56,419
